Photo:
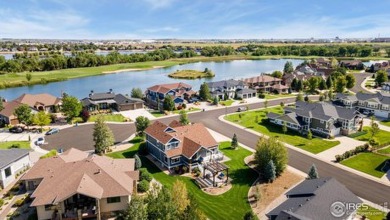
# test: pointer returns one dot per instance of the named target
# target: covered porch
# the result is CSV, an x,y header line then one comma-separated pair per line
x,y
79,207
214,174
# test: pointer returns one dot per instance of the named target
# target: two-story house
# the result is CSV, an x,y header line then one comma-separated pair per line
x,y
177,145
110,100
377,104
266,83
180,93
230,88
77,185
321,118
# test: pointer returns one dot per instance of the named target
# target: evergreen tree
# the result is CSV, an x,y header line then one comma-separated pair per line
x,y
168,103
234,142
294,84
269,172
204,92
329,82
309,135
300,86
184,118
215,100
138,162
288,67
284,127
313,174
322,85
102,136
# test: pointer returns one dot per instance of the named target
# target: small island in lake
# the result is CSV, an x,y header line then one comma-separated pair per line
x,y
192,74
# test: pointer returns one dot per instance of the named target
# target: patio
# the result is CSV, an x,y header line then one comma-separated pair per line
x,y
210,171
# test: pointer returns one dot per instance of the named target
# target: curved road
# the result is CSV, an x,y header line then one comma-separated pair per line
x,y
360,77
364,188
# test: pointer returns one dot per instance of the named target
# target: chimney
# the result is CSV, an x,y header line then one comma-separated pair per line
x,y
110,91
90,94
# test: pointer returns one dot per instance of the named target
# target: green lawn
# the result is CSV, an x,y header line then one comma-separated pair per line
x,y
228,102
369,163
269,96
158,114
385,123
108,117
371,213
191,74
385,150
230,205
186,110
248,120
8,144
382,137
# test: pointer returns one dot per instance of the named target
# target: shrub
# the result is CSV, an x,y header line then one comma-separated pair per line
x,y
145,175
1,202
184,106
185,169
14,146
195,170
19,202
348,154
261,95
143,186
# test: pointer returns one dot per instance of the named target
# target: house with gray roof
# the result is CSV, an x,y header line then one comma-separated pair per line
x,y
377,104
317,199
322,118
110,100
12,161
228,89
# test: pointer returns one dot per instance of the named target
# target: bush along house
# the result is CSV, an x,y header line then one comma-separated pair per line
x,y
177,145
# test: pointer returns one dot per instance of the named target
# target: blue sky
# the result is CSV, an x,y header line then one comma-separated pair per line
x,y
190,19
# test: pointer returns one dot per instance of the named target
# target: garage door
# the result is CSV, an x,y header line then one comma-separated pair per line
x,y
382,114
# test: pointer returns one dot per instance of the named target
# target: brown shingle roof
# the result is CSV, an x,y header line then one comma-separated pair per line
x,y
164,88
69,174
262,78
9,108
43,98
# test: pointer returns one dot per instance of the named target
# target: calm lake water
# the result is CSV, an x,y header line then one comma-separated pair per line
x,y
123,82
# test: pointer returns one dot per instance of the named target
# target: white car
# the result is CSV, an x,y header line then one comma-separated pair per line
x,y
40,141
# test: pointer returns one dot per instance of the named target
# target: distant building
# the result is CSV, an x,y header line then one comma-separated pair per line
x,y
12,161
230,88
180,93
352,64
110,100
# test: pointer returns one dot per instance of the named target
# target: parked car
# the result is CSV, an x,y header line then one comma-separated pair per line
x,y
241,109
16,129
53,131
40,141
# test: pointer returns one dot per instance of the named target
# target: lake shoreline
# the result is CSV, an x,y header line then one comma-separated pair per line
x,y
131,70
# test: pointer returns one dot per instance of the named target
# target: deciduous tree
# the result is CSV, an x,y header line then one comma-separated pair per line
x,y
41,119
277,74
381,77
270,149
184,118
141,123
350,78
341,83
102,136
71,107
288,67
24,114
168,103
180,196
136,93
284,127
204,92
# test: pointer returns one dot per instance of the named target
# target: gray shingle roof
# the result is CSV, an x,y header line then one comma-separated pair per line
x,y
11,155
103,95
245,91
323,111
225,83
121,99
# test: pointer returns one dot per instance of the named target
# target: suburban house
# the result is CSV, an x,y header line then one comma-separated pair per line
x,y
110,100
230,88
377,104
266,83
40,102
323,119
180,93
305,72
77,185
380,66
317,199
7,114
12,161
352,64
176,145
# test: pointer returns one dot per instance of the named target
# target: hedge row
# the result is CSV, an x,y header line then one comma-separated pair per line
x,y
350,153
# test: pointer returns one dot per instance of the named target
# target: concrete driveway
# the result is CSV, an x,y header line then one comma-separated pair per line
x,y
133,114
7,136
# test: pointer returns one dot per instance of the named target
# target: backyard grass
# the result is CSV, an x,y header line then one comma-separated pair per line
x,y
8,144
256,120
108,117
191,74
275,96
51,153
230,205
384,150
371,213
382,137
369,163
228,102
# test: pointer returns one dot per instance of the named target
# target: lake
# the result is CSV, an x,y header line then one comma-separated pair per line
x,y
123,82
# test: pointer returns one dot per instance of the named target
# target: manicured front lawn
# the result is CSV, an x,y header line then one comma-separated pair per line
x,y
186,110
8,144
230,205
275,96
108,117
369,163
382,137
384,150
256,120
227,102
371,213
385,123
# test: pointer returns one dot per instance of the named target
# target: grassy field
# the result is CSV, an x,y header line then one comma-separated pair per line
x,y
256,120
384,150
275,96
369,163
108,117
215,207
371,213
227,102
382,137
191,74
8,144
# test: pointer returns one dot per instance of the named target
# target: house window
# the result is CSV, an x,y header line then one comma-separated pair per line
x,y
175,160
48,207
7,172
114,199
165,159
321,121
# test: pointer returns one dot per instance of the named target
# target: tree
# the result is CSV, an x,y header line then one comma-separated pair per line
x,y
215,100
329,82
321,98
136,210
322,84
306,99
160,204
102,136
381,77
204,92
24,114
334,63
141,123
136,93
282,104
270,173
234,142
340,84
350,78
180,196
374,127
330,94
138,162
168,104
266,104
294,84
41,119
313,84
1,103
270,149
299,97
300,86
313,174
277,74
71,107
250,216
309,135
28,77
184,118
284,127
288,67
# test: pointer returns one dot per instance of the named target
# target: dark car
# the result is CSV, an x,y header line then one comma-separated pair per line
x,y
16,129
53,131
